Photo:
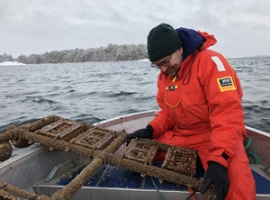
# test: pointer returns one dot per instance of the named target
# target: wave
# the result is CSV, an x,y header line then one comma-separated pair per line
x,y
118,94
87,118
39,99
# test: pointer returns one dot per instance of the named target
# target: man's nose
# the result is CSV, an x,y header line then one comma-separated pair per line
x,y
163,68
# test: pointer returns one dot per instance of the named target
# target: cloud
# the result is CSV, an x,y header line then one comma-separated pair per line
x,y
36,26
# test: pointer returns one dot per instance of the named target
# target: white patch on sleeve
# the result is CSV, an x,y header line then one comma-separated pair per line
x,y
220,66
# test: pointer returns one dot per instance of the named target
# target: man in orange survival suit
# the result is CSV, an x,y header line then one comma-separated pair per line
x,y
200,99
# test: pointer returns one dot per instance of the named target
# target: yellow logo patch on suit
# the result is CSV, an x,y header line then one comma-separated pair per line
x,y
226,83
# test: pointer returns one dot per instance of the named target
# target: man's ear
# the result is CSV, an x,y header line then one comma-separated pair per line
x,y
181,50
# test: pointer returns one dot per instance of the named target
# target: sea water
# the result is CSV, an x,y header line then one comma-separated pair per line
x,y
91,92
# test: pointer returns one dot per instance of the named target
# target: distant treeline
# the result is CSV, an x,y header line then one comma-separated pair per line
x,y
112,52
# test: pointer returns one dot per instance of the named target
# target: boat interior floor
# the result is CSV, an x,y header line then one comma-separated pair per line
x,y
111,177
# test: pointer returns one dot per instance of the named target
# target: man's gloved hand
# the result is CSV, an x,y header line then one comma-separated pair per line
x,y
216,174
142,133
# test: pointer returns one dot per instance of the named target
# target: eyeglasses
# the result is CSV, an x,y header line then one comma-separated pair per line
x,y
165,63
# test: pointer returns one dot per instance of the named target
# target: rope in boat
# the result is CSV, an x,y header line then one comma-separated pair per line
x,y
255,159
158,192
192,194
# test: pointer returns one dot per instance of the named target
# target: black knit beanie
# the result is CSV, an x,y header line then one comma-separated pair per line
x,y
162,41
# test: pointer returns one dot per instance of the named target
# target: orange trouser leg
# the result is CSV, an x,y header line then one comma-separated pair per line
x,y
241,180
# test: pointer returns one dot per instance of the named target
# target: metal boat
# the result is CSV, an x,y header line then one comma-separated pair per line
x,y
47,169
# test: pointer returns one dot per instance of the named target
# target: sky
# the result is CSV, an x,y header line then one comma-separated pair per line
x,y
241,27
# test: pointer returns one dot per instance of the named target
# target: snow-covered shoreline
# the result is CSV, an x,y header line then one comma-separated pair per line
x,y
10,63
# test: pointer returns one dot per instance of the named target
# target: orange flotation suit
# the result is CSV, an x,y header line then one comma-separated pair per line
x,y
201,110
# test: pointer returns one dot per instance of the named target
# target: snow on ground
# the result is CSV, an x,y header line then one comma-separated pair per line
x,y
7,63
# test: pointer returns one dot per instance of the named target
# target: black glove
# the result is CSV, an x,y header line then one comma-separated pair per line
x,y
142,133
216,174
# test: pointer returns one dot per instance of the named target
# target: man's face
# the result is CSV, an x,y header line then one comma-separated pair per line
x,y
170,65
